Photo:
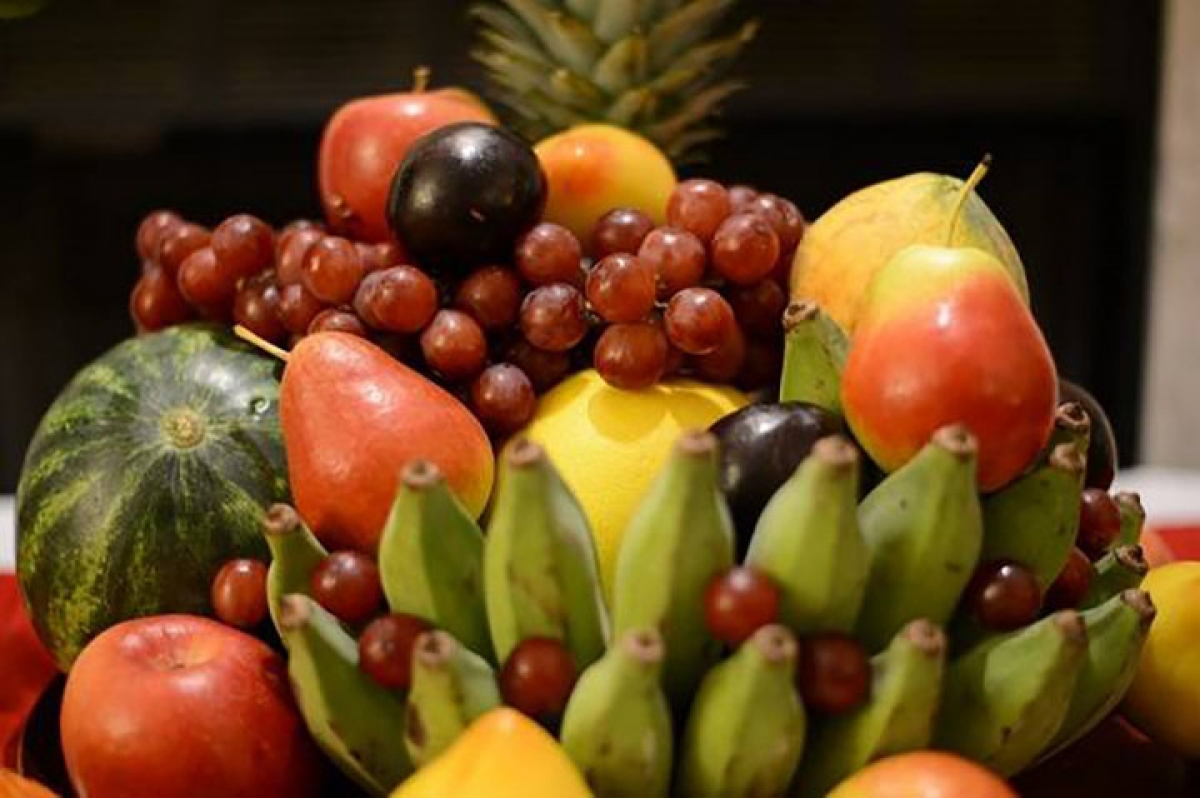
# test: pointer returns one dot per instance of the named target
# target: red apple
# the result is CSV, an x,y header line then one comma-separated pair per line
x,y
364,143
177,706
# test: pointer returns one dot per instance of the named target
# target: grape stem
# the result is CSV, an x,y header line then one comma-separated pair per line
x,y
980,171
260,342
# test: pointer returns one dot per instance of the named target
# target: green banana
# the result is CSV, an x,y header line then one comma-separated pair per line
x,y
1072,425
1123,568
431,558
745,734
814,355
923,526
358,724
540,572
1133,518
679,539
1006,699
1034,521
617,726
899,717
451,687
295,553
807,541
1116,631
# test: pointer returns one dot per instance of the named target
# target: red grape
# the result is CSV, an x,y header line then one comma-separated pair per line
x,y
740,198
293,249
156,302
544,369
724,363
492,295
631,356
759,308
1003,595
151,231
744,248
621,288
537,678
239,593
1099,522
552,317
1072,583
178,243
677,257
297,308
698,206
337,320
375,257
833,673
347,584
738,603
549,254
256,307
332,270
454,345
620,230
399,299
203,282
698,320
793,227
385,649
244,244
503,398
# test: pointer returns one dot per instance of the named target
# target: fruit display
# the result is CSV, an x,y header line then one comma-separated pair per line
x,y
537,470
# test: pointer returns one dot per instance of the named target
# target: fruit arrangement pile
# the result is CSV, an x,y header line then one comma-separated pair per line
x,y
904,541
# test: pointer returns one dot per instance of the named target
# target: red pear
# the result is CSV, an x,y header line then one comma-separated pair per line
x,y
352,418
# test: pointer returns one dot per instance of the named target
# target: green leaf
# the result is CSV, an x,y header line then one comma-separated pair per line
x,y
693,111
684,28
703,63
493,19
617,19
623,66
632,106
568,40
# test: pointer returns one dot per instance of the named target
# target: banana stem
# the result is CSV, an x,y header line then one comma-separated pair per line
x,y
980,171
282,519
260,342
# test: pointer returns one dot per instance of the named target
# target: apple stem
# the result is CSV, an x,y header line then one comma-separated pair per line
x,y
980,171
421,77
260,342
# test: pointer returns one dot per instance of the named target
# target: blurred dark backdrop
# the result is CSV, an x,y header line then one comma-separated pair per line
x,y
110,108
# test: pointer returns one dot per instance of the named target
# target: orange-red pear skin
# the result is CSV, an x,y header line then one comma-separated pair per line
x,y
352,417
946,338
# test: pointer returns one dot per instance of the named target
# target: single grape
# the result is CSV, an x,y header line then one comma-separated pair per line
x,y
793,226
1072,583
620,230
178,243
1003,595
332,270
544,369
244,244
738,603
375,257
537,678
151,231
239,593
621,288
203,283
385,649
744,248
698,320
347,584
677,257
156,302
492,295
833,674
759,308
698,206
1099,522
337,320
631,355
503,398
725,363
293,249
761,365
740,198
400,299
454,345
547,254
552,317
256,307
297,308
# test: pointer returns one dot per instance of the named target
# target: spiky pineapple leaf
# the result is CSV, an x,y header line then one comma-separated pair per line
x,y
616,18
623,66
565,38
683,28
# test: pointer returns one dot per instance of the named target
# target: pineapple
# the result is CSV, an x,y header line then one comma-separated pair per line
x,y
654,66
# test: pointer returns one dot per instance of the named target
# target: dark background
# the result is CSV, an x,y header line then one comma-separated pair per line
x,y
111,109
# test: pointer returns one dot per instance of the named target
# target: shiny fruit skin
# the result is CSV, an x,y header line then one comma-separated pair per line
x,y
544,369
454,345
179,241
156,302
244,244
463,197
1099,522
292,250
923,774
699,206
297,308
537,678
677,257
620,230
738,603
399,299
332,270
725,363
202,281
1102,456
385,649
503,397
256,307
744,249
698,320
549,253
187,707
1003,596
347,584
151,230
492,296
833,673
239,593
632,356
552,317
337,320
1072,583
364,143
621,288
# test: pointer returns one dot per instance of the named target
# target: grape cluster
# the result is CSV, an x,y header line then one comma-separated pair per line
x,y
701,296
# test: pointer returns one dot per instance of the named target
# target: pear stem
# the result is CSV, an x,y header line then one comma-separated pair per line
x,y
260,342
421,77
980,171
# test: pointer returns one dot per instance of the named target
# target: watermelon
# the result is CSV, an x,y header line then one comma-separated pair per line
x,y
153,467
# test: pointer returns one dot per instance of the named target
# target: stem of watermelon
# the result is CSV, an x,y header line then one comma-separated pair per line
x,y
259,342
976,176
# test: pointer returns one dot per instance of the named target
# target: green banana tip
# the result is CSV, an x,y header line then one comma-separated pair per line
x,y
1130,502
524,453
1141,603
925,636
295,610
696,443
957,440
798,312
434,648
1067,458
1132,558
1071,417
775,643
281,519
836,451
420,475
644,646
1071,625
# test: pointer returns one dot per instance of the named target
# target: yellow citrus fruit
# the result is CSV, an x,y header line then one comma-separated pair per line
x,y
608,443
591,169
1164,700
